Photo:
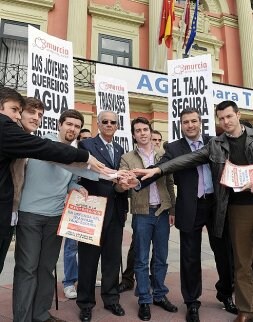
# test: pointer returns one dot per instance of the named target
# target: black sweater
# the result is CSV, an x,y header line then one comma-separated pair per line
x,y
16,144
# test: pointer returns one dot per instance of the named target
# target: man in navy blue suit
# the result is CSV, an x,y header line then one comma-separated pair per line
x,y
109,153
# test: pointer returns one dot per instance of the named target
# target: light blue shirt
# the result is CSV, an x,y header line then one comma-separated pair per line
x,y
206,168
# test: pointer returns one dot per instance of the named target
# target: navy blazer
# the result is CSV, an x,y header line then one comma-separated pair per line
x,y
187,185
117,203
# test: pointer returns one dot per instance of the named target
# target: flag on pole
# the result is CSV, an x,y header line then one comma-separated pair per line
x,y
193,29
166,24
186,20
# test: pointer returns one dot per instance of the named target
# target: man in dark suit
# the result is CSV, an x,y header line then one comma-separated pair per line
x,y
193,211
109,153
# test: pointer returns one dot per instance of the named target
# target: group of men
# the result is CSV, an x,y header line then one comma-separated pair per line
x,y
153,206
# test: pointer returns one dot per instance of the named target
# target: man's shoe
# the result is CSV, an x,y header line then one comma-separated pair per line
x,y
70,292
144,312
192,314
116,309
228,304
166,305
85,314
244,317
123,287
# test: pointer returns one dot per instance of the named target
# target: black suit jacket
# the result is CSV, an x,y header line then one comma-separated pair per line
x,y
187,185
117,203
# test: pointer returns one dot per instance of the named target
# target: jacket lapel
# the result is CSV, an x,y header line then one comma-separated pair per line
x,y
102,150
117,156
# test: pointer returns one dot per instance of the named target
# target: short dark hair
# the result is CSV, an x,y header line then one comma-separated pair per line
x,y
85,131
225,104
189,110
142,120
10,94
32,102
157,132
82,131
73,114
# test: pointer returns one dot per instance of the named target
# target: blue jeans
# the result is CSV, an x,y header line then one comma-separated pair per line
x,y
147,228
70,262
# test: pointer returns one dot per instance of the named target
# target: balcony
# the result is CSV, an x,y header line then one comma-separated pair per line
x,y
15,75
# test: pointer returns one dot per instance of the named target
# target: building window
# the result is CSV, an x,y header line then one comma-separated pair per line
x,y
114,50
13,53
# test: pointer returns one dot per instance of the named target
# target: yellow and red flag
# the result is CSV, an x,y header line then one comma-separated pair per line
x,y
166,24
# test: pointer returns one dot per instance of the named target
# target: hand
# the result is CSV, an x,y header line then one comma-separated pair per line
x,y
95,165
146,173
122,174
248,186
83,192
171,220
129,182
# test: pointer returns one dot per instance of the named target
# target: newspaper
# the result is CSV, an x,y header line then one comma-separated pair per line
x,y
82,220
236,176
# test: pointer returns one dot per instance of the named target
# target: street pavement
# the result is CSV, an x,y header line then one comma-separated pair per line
x,y
211,310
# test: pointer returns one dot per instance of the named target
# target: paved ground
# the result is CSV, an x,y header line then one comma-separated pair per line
x,y
211,310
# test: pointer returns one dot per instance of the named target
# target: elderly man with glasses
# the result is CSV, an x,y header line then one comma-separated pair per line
x,y
109,153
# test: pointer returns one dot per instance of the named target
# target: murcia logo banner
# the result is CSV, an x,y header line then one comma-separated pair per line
x,y
50,76
190,81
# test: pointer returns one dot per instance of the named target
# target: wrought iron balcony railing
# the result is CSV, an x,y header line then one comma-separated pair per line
x,y
15,75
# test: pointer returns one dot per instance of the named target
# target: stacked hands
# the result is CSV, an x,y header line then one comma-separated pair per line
x,y
127,179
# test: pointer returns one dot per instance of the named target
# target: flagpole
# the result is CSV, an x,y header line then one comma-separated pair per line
x,y
181,32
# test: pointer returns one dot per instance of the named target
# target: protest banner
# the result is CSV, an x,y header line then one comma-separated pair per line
x,y
156,84
50,76
82,220
190,81
112,95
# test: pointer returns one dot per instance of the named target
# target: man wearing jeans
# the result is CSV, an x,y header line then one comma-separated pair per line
x,y
151,223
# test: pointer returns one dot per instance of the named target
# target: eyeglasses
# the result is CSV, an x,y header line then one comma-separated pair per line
x,y
157,140
108,121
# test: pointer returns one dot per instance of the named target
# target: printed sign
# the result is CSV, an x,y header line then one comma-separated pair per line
x,y
83,220
156,84
112,95
50,76
236,176
190,81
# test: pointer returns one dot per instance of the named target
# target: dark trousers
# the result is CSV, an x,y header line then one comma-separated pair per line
x,y
4,246
190,256
88,255
241,228
37,251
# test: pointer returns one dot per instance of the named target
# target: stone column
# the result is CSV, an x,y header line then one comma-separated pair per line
x,y
157,54
245,23
77,26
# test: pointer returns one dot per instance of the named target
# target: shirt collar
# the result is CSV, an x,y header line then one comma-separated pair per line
x,y
200,139
231,136
104,141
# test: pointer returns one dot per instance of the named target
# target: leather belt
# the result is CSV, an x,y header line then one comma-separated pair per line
x,y
206,196
155,206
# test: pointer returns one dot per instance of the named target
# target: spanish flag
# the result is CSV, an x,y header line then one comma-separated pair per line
x,y
166,25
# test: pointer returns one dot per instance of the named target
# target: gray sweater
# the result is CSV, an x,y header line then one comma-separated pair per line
x,y
46,186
